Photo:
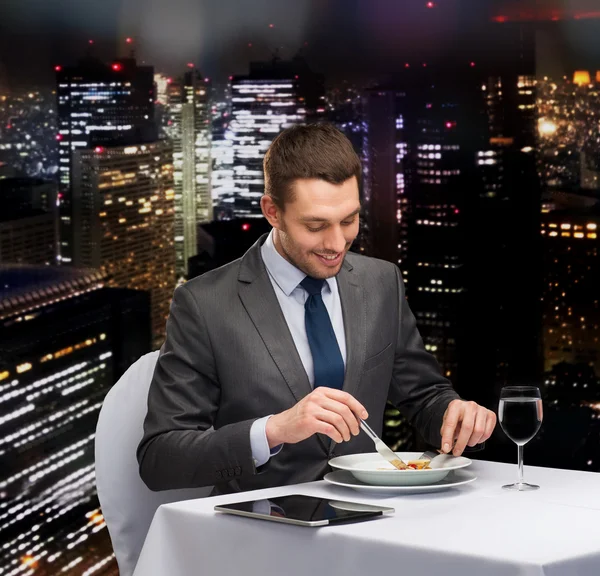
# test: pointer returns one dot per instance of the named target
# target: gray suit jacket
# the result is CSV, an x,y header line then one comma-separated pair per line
x,y
229,359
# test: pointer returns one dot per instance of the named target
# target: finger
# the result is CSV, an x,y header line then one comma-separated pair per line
x,y
451,419
347,399
490,424
322,427
345,412
478,427
454,437
456,434
466,429
336,420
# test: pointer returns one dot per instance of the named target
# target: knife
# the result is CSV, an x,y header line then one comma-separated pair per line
x,y
431,454
382,448
440,458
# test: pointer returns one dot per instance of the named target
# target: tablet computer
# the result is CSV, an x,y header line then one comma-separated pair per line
x,y
304,510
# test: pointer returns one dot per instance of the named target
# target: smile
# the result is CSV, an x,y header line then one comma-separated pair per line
x,y
329,259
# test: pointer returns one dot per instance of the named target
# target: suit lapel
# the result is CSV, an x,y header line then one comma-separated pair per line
x,y
354,315
259,299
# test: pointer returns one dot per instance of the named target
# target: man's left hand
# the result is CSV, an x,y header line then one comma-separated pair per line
x,y
467,423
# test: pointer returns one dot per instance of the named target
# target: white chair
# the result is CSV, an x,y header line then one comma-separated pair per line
x,y
127,504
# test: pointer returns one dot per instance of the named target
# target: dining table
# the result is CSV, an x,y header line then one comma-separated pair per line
x,y
476,529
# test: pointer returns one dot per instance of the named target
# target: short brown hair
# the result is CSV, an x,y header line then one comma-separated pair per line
x,y
312,151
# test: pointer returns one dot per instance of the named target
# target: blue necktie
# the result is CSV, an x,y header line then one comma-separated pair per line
x,y
327,358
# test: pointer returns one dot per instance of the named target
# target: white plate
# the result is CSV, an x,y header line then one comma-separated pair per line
x,y
371,468
453,479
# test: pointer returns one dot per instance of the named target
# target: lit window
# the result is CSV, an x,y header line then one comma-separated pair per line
x,y
63,352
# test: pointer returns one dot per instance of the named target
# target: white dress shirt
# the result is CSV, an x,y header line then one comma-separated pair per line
x,y
286,278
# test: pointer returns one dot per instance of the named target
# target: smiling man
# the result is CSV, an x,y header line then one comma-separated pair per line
x,y
270,361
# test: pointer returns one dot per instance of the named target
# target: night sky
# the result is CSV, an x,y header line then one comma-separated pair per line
x,y
357,40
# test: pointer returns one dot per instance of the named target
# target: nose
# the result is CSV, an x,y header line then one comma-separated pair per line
x,y
335,241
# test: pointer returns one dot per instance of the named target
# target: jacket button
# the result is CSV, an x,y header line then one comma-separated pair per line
x,y
238,470
231,472
218,474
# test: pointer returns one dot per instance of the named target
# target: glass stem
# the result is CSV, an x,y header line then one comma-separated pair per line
x,y
520,460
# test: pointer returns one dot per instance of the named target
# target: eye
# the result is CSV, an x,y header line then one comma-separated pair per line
x,y
315,229
348,222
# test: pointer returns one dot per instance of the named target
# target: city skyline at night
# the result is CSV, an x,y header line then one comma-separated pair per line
x,y
131,146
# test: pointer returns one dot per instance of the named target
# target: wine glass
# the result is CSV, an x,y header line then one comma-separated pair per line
x,y
520,415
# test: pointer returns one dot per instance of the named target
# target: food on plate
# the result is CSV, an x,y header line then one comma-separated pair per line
x,y
419,464
411,465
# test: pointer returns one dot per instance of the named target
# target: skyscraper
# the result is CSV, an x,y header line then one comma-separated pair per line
x,y
417,174
452,149
223,241
190,132
162,87
28,222
274,96
384,189
51,390
222,182
505,265
99,104
125,220
571,293
161,105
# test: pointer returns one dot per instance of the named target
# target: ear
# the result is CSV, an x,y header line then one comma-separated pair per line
x,y
270,211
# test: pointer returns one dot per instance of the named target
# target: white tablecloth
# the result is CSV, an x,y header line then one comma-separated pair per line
x,y
477,529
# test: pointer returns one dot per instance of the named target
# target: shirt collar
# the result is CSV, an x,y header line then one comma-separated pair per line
x,y
285,274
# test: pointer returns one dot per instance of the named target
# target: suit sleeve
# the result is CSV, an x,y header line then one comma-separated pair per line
x,y
418,388
179,448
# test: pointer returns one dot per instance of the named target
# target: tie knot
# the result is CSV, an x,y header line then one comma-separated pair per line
x,y
312,285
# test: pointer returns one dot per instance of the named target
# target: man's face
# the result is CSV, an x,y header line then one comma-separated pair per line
x,y
318,227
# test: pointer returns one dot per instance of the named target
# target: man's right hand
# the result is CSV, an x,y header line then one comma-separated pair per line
x,y
325,410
